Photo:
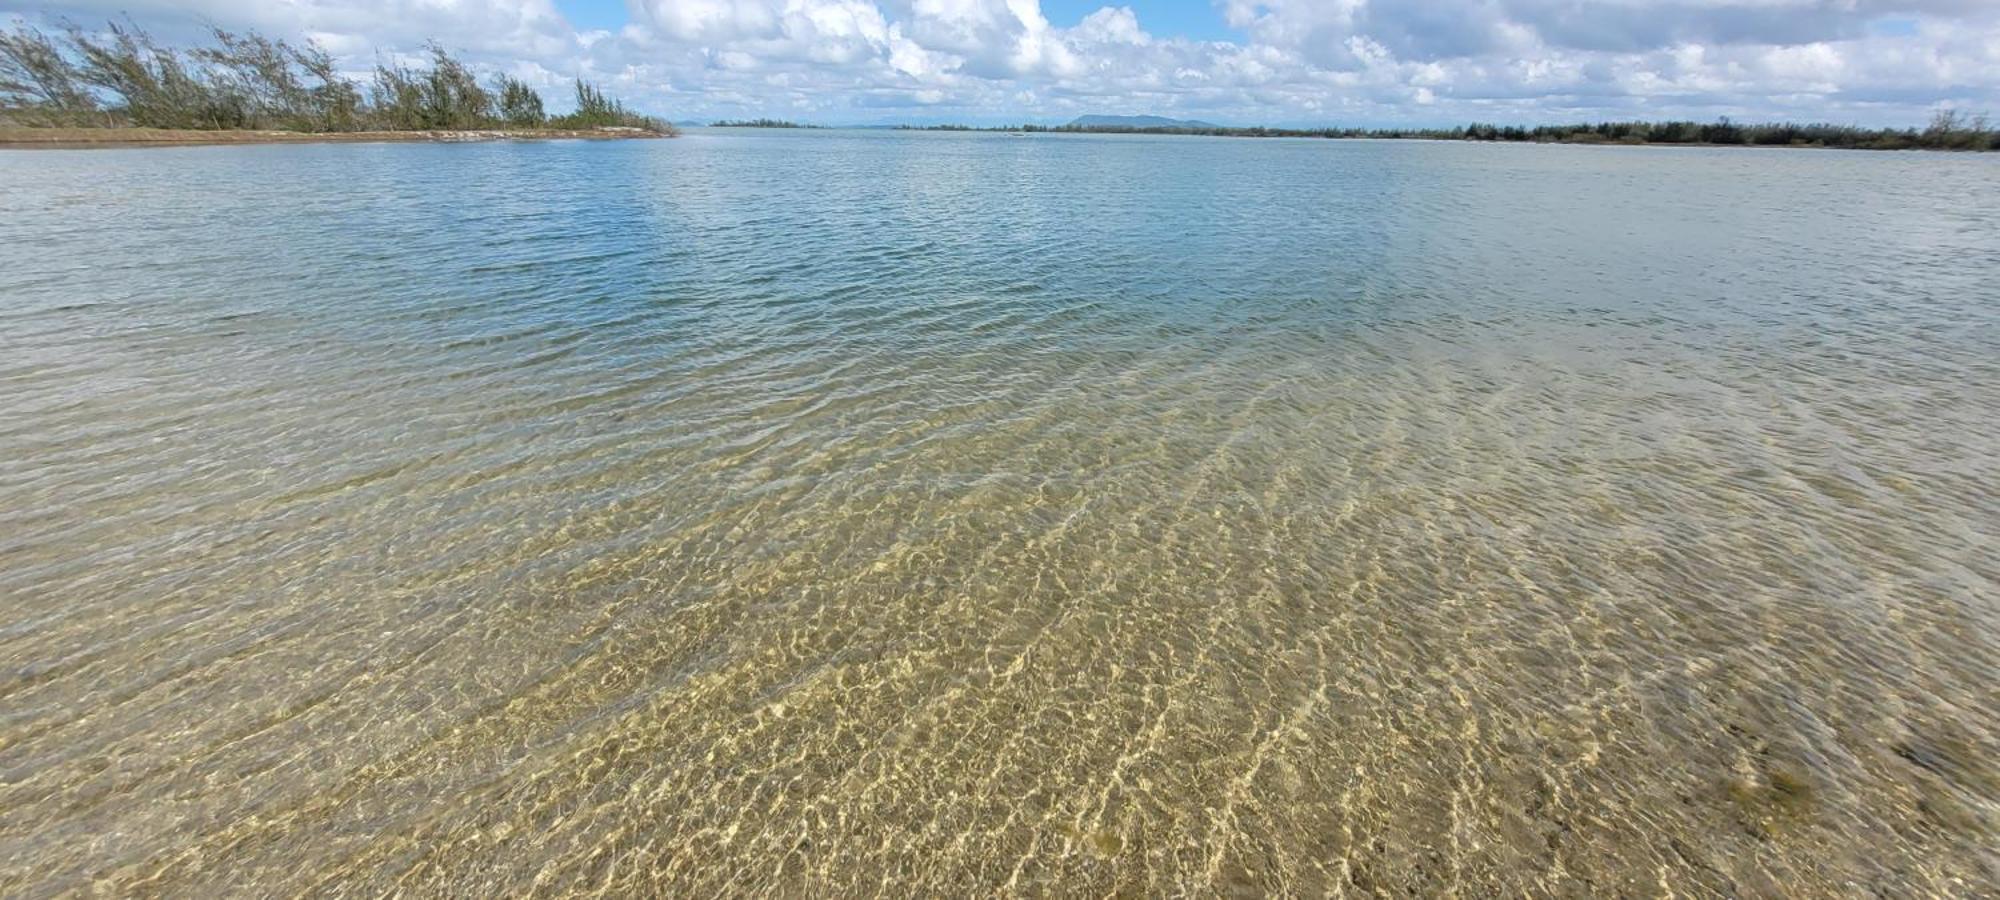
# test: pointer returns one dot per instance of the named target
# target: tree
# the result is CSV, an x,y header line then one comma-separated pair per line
x,y
454,98
397,97
257,72
158,87
34,73
335,102
520,106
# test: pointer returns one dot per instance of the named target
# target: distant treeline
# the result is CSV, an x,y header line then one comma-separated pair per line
x,y
1948,130
122,77
757,123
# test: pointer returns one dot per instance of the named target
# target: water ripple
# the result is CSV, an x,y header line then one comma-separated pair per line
x,y
842,513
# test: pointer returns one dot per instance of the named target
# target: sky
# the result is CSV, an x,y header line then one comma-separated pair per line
x,y
1234,62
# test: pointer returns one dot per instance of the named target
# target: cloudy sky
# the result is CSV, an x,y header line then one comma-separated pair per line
x,y
1282,62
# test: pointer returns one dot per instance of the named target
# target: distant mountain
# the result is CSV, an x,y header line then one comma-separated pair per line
x,y
1135,122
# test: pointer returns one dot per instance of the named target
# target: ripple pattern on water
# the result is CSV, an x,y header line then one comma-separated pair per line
x,y
841,513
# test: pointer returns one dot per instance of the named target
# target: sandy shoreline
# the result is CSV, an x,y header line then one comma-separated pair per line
x,y
24,137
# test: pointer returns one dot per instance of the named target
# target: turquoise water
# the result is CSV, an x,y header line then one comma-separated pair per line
x,y
851,512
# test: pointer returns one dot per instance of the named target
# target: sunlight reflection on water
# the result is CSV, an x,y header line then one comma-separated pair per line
x,y
842,512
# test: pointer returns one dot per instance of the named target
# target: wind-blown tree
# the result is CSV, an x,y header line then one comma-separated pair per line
x,y
594,109
454,98
281,86
1950,129
158,87
119,75
334,102
35,74
257,73
396,98
447,96
519,105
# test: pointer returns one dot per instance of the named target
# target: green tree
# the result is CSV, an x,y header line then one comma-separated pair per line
x,y
454,98
335,102
35,74
519,104
158,87
257,72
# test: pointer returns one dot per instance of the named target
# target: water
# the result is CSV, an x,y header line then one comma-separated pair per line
x,y
832,513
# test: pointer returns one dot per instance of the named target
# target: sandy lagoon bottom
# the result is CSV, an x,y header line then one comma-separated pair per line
x,y
978,524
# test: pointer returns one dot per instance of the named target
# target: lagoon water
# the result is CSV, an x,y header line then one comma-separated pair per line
x,y
832,513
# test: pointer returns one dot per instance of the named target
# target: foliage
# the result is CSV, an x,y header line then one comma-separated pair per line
x,y
34,74
157,85
519,105
1948,130
255,74
453,97
1953,130
446,97
396,99
333,102
121,76
760,123
595,110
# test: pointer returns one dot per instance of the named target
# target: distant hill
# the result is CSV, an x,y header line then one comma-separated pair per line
x,y
1136,122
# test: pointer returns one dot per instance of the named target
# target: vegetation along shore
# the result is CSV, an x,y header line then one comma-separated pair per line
x,y
121,87
1947,130
758,123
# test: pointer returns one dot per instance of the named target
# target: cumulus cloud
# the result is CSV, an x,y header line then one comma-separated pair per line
x,y
1295,62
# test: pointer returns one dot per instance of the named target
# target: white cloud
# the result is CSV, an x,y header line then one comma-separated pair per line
x,y
1299,61
1111,25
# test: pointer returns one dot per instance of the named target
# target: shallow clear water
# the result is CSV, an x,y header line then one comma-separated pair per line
x,y
826,513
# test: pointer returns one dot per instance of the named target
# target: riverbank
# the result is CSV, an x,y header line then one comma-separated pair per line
x,y
30,137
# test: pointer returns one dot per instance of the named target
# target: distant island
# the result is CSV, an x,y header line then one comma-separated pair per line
x,y
759,123
122,87
1139,122
1947,130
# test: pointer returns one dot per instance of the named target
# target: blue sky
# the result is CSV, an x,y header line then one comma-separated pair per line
x,y
605,14
1194,19
1277,62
